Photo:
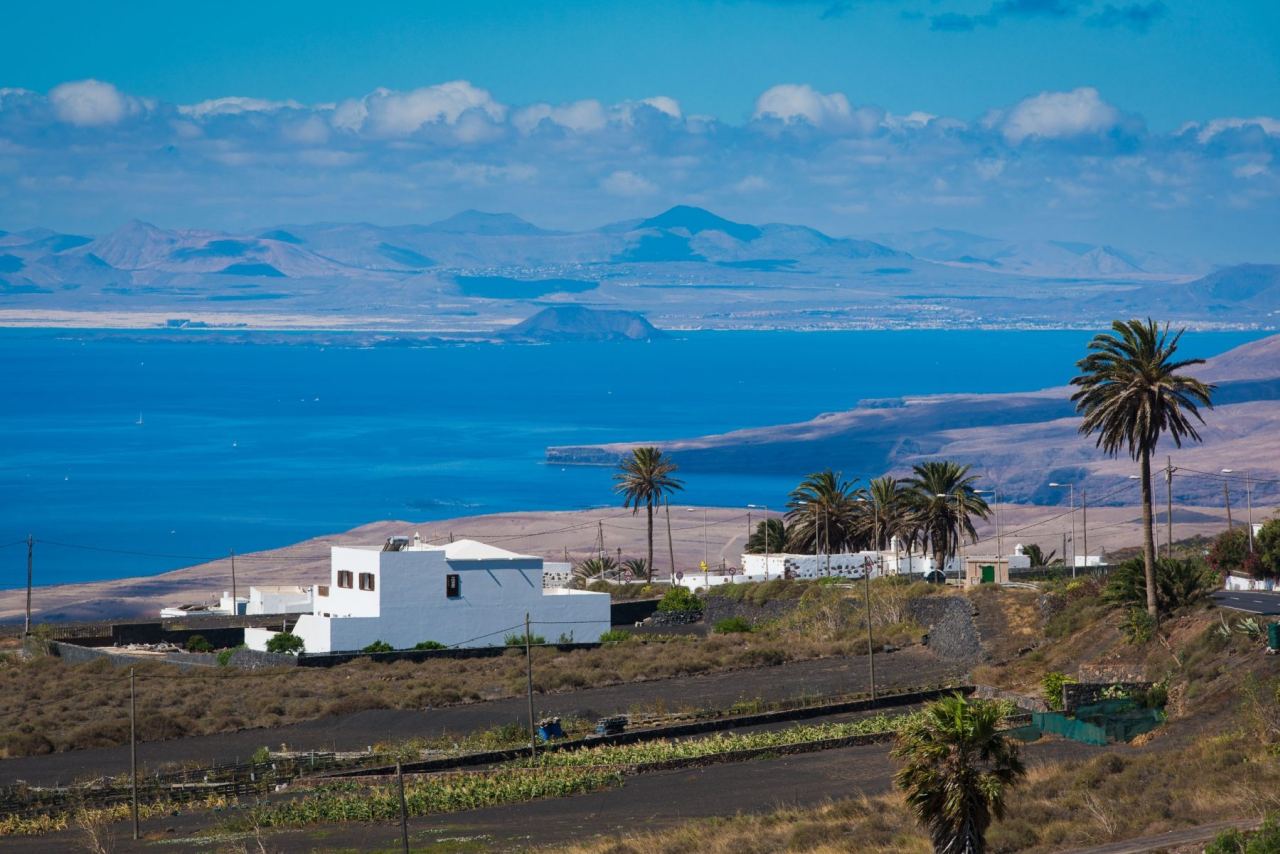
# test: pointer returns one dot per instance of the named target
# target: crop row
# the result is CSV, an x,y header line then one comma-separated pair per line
x,y
351,801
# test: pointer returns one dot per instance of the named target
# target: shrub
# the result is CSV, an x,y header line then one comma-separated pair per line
x,y
1179,583
1139,626
732,625
285,643
261,756
1267,544
1051,685
1264,840
429,644
1229,550
379,646
224,655
518,640
197,643
679,600
615,636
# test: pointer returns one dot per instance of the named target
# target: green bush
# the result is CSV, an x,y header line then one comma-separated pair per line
x,y
429,645
1139,626
261,756
1051,685
615,636
224,656
285,643
379,646
1179,583
679,600
1265,840
518,640
732,625
197,643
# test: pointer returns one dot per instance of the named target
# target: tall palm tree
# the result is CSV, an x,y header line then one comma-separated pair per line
x,y
958,769
770,537
644,479
1037,556
888,501
943,504
823,514
1130,392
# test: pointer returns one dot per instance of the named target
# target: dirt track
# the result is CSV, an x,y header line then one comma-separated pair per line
x,y
905,668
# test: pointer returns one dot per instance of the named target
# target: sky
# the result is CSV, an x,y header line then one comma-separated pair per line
x,y
1150,125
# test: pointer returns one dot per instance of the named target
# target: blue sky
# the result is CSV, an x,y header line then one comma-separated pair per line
x,y
1143,123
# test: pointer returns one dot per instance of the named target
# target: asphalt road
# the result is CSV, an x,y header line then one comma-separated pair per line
x,y
905,668
1250,601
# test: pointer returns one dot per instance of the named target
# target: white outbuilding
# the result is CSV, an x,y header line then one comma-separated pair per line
x,y
464,593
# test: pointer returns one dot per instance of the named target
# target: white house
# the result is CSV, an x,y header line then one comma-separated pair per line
x,y
271,599
461,594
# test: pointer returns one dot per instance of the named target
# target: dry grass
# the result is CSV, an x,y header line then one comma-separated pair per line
x,y
864,824
47,705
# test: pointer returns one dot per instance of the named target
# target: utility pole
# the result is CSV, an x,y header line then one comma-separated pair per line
x,y
671,549
528,666
1248,497
1084,523
133,748
235,605
26,626
1226,497
1168,480
871,652
404,809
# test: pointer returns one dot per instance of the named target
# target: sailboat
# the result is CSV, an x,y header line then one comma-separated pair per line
x,y
139,421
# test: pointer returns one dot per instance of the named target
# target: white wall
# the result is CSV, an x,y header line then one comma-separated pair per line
x,y
279,600
1239,582
409,603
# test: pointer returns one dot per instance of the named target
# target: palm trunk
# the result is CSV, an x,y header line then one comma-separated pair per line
x,y
649,567
1148,536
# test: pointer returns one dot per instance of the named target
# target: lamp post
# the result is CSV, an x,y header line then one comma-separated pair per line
x,y
706,580
995,498
765,508
1072,501
959,532
1226,495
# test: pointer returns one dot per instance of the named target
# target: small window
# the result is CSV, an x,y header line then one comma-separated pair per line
x,y
366,581
323,590
344,578
453,586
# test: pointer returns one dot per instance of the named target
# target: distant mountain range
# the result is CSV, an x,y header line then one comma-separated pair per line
x,y
684,267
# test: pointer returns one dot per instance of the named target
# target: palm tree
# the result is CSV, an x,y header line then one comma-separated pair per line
x,y
943,504
1037,556
770,537
823,514
636,566
1130,393
890,511
644,479
957,770
597,566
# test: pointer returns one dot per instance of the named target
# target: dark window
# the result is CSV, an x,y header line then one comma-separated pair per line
x,y
324,590
366,581
344,578
453,586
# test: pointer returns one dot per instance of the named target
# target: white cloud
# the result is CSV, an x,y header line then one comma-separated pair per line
x,y
627,183
663,104
233,105
384,112
91,103
793,102
588,115
1266,124
751,184
1055,115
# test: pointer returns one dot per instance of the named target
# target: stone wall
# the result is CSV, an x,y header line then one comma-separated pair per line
x,y
948,620
1076,694
723,607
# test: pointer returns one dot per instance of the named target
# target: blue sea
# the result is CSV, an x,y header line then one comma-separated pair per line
x,y
253,445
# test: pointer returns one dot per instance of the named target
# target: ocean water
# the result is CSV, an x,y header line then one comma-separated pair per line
x,y
254,445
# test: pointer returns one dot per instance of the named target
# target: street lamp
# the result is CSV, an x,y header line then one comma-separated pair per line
x,y
1072,501
706,580
995,498
765,508
959,534
1248,496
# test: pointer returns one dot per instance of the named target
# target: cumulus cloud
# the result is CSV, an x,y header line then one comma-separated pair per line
x,y
793,102
87,150
384,112
234,105
1055,115
91,103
